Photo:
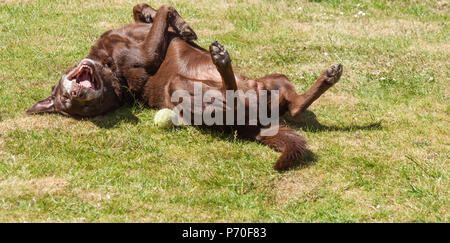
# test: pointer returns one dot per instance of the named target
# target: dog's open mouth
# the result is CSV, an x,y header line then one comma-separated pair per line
x,y
84,76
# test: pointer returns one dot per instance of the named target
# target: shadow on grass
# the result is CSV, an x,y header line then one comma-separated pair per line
x,y
308,121
110,120
229,134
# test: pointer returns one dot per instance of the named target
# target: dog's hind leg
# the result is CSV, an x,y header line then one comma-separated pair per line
x,y
222,60
328,78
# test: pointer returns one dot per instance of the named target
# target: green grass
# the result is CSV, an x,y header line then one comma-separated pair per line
x,y
379,140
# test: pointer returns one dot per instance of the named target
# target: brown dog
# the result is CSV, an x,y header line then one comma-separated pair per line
x,y
155,57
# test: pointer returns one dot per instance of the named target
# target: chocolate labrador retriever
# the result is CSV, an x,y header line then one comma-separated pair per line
x,y
153,58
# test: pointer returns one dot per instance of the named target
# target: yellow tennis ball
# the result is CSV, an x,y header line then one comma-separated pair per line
x,y
163,118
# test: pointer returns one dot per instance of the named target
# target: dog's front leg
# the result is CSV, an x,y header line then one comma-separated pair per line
x,y
143,13
157,40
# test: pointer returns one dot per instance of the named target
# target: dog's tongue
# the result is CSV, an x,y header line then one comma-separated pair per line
x,y
86,84
84,79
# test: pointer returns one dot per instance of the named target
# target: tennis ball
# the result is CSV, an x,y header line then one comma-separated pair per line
x,y
163,118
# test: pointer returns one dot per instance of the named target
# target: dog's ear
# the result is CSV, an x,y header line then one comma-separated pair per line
x,y
122,92
118,89
46,105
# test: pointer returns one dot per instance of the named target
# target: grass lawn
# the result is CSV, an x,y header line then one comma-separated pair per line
x,y
379,139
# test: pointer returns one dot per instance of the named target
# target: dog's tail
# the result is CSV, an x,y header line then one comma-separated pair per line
x,y
288,142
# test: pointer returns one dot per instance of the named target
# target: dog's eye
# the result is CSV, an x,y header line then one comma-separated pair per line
x,y
108,62
65,98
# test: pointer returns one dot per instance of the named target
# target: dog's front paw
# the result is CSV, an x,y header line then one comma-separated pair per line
x,y
219,54
333,74
187,33
143,13
147,15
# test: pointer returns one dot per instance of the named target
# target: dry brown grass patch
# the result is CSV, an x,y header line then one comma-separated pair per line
x,y
368,28
304,185
39,122
17,2
13,186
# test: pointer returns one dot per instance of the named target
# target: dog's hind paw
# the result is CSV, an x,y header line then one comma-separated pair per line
x,y
333,74
219,54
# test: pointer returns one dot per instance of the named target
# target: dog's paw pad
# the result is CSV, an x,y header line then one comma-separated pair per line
x,y
334,73
219,54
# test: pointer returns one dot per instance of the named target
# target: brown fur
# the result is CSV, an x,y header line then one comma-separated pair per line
x,y
155,57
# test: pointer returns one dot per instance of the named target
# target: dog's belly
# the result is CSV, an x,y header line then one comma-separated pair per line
x,y
183,66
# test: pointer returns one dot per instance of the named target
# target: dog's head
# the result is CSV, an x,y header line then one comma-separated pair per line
x,y
87,89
